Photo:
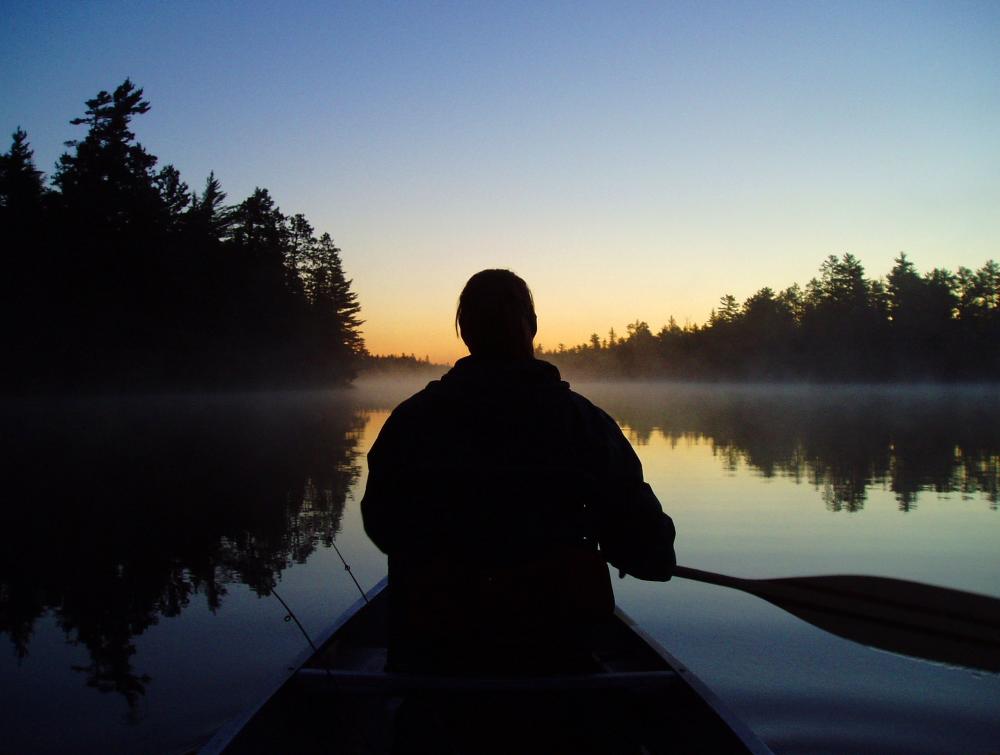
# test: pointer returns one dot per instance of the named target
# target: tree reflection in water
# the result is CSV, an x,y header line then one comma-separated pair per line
x,y
840,440
118,512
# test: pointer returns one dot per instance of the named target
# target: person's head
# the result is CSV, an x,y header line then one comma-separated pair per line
x,y
496,316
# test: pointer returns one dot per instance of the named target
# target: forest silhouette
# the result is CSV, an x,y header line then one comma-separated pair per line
x,y
843,326
119,277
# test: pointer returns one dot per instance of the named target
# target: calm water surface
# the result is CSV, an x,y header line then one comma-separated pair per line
x,y
145,544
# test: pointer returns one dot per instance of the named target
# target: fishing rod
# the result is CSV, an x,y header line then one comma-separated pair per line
x,y
289,613
347,567
290,616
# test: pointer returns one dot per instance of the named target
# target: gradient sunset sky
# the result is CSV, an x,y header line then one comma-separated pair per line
x,y
629,160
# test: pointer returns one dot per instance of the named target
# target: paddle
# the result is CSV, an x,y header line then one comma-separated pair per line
x,y
936,623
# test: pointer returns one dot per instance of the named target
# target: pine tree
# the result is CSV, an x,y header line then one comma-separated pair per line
x,y
334,301
905,288
21,187
26,276
208,216
174,194
258,226
108,179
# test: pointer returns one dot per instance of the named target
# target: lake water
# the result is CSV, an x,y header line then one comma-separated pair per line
x,y
146,543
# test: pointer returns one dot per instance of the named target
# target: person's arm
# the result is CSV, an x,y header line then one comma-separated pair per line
x,y
639,538
635,536
384,502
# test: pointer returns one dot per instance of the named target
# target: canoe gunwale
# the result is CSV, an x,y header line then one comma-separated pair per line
x,y
322,681
230,730
750,740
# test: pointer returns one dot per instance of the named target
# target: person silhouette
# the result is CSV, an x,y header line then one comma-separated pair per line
x,y
500,496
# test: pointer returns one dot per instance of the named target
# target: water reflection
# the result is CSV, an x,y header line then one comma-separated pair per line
x,y
119,512
842,441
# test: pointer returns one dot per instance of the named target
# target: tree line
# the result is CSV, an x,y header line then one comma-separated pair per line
x,y
843,326
400,364
119,276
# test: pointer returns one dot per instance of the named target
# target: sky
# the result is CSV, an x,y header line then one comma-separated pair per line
x,y
632,161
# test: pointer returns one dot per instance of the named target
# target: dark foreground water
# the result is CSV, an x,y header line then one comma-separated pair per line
x,y
144,545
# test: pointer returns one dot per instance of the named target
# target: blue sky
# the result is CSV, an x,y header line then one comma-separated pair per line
x,y
630,160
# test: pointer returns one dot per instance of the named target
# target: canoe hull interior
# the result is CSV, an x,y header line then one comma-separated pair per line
x,y
640,700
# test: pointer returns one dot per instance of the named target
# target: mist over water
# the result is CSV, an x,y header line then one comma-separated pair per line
x,y
143,540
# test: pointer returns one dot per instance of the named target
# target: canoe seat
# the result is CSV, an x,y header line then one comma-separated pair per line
x,y
335,681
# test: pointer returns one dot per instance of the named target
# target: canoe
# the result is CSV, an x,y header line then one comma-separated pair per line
x,y
339,699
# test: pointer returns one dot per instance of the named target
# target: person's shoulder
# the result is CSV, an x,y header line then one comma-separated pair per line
x,y
593,417
578,400
419,403
405,422
595,414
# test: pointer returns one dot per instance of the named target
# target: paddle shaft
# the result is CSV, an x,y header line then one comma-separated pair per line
x,y
712,578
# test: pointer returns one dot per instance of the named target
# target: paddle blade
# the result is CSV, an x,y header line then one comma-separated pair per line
x,y
924,621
